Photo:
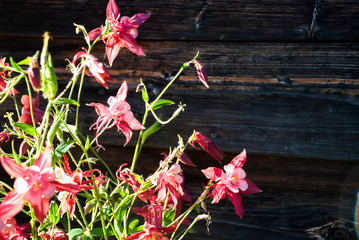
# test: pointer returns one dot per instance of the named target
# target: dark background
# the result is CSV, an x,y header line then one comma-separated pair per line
x,y
283,78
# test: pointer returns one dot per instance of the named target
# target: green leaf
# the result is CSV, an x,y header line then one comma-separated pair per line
x,y
14,65
54,217
63,101
151,130
98,232
45,225
70,127
61,150
161,103
53,129
25,61
26,128
168,217
132,226
75,233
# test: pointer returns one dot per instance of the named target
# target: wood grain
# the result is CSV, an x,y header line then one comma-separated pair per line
x,y
219,20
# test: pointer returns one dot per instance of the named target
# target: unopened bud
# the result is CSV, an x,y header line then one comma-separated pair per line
x,y
34,74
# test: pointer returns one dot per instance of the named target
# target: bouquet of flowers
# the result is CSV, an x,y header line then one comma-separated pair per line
x,y
61,193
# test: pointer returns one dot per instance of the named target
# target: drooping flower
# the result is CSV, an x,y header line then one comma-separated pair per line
x,y
4,74
34,184
55,234
169,181
232,182
74,177
184,158
128,176
26,110
152,229
34,74
119,112
123,32
12,231
95,66
207,145
4,136
201,72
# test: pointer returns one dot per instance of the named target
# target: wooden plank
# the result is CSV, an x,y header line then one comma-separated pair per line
x,y
292,99
274,20
301,197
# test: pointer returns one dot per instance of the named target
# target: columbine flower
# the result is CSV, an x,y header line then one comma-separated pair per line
x,y
201,72
95,66
26,110
4,136
169,181
122,33
152,229
232,182
207,145
34,74
12,231
34,184
3,74
118,111
55,234
77,178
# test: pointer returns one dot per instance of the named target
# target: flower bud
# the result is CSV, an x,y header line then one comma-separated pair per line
x,y
34,74
201,72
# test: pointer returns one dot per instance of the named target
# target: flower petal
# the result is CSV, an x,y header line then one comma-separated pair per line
x,y
219,192
44,160
12,168
137,19
239,160
252,188
213,173
237,202
11,205
112,11
113,46
95,33
41,209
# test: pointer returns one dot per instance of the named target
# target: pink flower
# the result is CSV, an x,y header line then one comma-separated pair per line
x,y
34,184
184,158
201,72
118,111
128,176
152,229
96,67
77,178
56,234
12,231
34,74
207,145
122,33
169,181
26,113
231,182
4,136
3,74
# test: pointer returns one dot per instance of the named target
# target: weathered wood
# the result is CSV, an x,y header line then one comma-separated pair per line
x,y
193,20
301,196
279,98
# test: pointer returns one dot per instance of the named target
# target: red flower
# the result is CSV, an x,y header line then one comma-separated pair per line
x,y
207,145
169,181
118,111
201,72
77,178
152,229
4,136
55,235
12,231
122,33
231,182
26,113
34,74
96,67
34,184
3,74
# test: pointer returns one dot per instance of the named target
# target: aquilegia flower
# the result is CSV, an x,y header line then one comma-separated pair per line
x,y
207,145
26,110
4,74
95,66
232,182
119,112
74,177
201,72
12,231
122,33
34,184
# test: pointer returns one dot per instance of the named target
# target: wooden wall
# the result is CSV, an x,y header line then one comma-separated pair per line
x,y
284,84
